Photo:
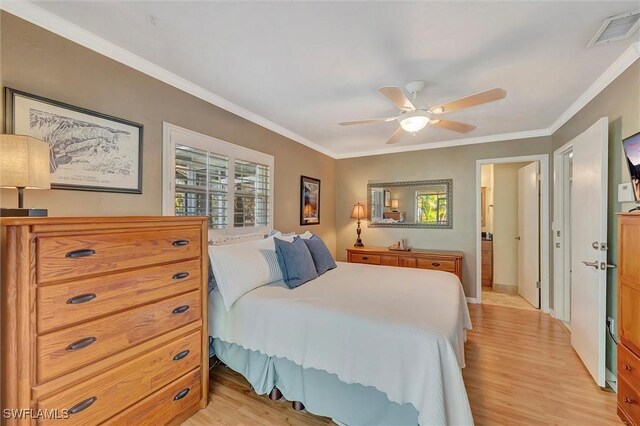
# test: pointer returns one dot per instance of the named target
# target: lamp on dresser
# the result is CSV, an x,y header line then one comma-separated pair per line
x,y
358,213
24,163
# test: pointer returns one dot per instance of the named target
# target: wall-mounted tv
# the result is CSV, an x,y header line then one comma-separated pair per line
x,y
631,146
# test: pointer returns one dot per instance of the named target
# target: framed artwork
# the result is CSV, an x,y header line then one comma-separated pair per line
x,y
387,198
309,201
90,151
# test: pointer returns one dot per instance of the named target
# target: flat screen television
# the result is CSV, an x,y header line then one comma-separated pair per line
x,y
631,147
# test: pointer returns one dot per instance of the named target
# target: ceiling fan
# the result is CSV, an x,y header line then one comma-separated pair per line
x,y
414,119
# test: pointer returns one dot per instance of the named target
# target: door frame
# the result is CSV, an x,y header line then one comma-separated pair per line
x,y
545,229
561,254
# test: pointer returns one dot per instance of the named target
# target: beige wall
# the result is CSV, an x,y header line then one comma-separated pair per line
x,y
505,229
36,61
457,163
486,181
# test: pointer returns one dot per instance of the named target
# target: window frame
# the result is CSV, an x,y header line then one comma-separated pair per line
x,y
172,134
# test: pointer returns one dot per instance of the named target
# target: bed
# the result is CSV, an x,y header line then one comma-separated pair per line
x,y
362,344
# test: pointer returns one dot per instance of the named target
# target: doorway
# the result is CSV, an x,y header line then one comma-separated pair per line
x,y
525,282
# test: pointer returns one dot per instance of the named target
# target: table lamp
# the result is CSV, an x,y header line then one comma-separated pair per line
x,y
358,213
394,205
24,163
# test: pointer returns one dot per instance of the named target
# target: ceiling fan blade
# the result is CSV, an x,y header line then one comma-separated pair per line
x,y
452,125
395,137
366,121
398,97
469,101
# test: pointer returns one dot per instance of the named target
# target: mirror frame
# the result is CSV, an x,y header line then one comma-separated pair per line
x,y
447,182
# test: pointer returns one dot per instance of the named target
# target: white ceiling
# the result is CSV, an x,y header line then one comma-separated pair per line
x,y
305,66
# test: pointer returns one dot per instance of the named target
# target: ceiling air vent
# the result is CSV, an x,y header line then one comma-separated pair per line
x,y
616,28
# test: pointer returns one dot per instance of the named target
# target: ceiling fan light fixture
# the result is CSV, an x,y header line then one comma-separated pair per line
x,y
413,121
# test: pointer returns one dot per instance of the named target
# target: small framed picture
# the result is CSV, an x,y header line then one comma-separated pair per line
x,y
387,198
90,151
309,201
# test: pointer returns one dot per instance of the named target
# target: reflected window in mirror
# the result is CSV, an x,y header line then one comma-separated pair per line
x,y
412,204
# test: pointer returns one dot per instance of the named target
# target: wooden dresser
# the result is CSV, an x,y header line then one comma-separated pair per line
x,y
104,320
487,263
441,260
629,317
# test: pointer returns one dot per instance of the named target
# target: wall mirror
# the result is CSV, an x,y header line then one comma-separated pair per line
x,y
414,204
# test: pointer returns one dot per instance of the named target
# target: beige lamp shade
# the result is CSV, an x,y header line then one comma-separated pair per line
x,y
24,162
395,204
358,212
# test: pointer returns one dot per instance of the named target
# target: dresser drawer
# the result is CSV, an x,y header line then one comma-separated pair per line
x,y
629,401
372,259
65,304
440,265
71,348
103,395
164,405
74,256
629,367
389,260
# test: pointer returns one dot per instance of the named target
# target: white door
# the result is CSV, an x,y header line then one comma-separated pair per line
x,y
529,234
588,256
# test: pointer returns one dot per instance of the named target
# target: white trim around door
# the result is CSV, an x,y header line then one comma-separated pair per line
x,y
545,229
561,233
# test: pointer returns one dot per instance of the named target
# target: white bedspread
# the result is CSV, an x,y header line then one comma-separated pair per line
x,y
400,330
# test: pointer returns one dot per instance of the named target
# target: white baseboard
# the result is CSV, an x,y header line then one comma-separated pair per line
x,y
611,380
472,300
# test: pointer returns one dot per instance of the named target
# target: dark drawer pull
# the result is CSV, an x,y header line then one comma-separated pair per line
x,y
80,253
181,309
181,394
181,355
81,298
82,405
365,257
180,276
627,367
180,243
435,264
82,343
629,400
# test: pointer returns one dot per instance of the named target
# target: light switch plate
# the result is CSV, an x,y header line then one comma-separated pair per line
x,y
624,193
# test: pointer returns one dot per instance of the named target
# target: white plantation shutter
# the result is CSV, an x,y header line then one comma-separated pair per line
x,y
204,176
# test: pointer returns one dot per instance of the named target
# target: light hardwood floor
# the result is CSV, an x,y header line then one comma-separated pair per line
x,y
521,370
507,300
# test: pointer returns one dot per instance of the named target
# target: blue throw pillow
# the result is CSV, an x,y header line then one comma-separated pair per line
x,y
295,262
320,254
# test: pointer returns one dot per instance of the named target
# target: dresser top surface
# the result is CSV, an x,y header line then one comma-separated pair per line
x,y
414,251
22,221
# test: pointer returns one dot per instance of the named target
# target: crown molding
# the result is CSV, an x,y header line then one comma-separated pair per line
x,y
51,22
57,25
446,144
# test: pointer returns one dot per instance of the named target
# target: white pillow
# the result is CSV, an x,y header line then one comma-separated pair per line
x,y
239,268
220,240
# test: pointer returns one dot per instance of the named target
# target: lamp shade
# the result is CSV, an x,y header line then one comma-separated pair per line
x,y
24,162
358,212
395,204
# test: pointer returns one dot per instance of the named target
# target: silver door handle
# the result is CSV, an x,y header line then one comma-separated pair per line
x,y
595,264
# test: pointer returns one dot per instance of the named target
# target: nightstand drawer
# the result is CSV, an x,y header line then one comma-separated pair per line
x,y
629,400
372,259
629,367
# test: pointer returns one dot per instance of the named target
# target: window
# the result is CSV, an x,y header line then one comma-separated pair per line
x,y
431,207
204,176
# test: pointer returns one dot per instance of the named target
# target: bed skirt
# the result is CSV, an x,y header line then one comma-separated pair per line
x,y
321,393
